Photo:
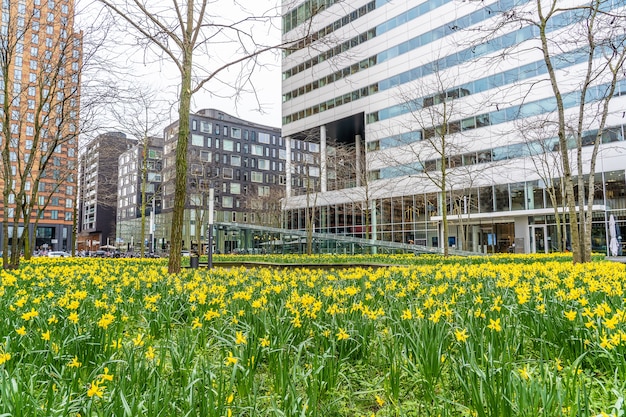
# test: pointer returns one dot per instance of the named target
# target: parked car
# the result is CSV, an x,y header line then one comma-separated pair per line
x,y
58,254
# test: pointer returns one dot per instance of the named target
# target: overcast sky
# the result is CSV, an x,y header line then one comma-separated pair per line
x,y
138,67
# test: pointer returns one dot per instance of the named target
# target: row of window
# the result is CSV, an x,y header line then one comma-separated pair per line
x,y
500,153
233,160
407,211
53,201
303,12
505,41
384,27
234,132
480,85
336,25
47,214
234,146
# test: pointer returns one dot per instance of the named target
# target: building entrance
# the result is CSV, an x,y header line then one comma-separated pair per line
x,y
538,239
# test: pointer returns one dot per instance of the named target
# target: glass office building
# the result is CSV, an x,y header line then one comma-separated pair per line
x,y
372,88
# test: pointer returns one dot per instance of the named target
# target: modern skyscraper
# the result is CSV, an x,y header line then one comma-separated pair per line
x,y
40,60
405,88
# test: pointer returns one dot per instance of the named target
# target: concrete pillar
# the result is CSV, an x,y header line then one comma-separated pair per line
x,y
475,230
288,166
374,222
359,168
323,169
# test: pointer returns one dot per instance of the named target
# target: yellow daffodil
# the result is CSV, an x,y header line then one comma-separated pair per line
x,y
95,390
150,353
524,372
73,317
240,339
570,315
106,376
31,314
342,335
230,359
74,363
461,335
495,325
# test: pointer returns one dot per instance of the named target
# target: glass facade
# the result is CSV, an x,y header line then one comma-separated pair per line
x,y
409,219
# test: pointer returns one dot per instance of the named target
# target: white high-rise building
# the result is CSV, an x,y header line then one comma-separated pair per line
x,y
379,94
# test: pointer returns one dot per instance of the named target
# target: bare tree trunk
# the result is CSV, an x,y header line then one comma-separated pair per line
x,y
144,180
176,239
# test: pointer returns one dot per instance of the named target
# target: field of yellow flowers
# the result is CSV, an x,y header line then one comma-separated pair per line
x,y
494,336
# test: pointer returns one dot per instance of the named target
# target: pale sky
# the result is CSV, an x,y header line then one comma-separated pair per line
x,y
160,74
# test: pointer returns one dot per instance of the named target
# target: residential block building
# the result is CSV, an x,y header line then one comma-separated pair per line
x,y
244,163
139,185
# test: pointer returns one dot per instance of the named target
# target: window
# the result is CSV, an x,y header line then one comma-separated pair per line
x,y
196,169
197,140
235,188
235,132
206,127
227,202
257,150
228,145
235,160
263,164
264,137
256,176
227,173
205,156
264,191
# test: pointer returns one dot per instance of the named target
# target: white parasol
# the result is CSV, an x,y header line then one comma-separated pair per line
x,y
613,245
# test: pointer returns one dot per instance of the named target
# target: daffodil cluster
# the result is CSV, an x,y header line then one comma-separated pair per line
x,y
519,335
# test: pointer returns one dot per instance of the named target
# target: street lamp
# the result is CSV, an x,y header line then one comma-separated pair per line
x,y
210,228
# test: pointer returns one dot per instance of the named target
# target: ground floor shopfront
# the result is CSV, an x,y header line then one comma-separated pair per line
x,y
46,237
537,233
517,217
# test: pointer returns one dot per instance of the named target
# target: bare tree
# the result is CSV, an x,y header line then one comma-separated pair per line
x,y
592,49
546,163
202,179
347,169
436,149
140,113
183,32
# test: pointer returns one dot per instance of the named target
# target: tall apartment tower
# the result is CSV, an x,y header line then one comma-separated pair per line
x,y
40,60
98,189
369,84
